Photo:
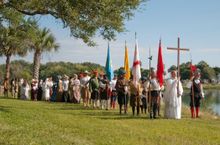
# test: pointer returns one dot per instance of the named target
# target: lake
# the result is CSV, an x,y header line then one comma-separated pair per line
x,y
211,101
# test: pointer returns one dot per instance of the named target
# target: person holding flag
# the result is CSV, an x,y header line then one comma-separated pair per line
x,y
153,93
122,90
196,92
134,84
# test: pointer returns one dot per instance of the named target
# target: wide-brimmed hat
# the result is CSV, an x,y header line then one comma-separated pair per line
x,y
172,69
65,76
34,81
121,72
59,77
86,72
95,72
198,71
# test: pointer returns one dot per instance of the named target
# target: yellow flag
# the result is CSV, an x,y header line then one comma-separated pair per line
x,y
126,64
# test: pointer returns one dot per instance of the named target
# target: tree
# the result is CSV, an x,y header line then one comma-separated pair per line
x,y
206,71
83,17
41,41
12,36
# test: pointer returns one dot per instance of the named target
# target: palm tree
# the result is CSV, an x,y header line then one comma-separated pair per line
x,y
12,42
44,41
11,36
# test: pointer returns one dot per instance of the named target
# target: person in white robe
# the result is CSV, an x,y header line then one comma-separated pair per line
x,y
25,90
172,97
46,87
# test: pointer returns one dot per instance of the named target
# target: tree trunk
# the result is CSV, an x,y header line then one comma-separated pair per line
x,y
7,75
8,60
36,67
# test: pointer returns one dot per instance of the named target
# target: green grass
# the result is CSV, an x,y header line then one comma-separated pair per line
x,y
42,123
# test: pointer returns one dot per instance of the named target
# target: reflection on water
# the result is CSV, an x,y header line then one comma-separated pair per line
x,y
211,101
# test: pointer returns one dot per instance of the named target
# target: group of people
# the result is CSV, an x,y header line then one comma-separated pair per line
x,y
96,91
147,94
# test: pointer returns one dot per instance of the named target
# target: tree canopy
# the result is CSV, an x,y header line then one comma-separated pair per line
x,y
84,18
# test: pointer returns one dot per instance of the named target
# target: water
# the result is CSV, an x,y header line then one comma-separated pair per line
x,y
211,101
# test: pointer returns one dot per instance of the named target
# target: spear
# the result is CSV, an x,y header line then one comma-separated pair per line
x,y
149,87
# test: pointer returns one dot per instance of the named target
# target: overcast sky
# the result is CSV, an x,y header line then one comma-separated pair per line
x,y
196,22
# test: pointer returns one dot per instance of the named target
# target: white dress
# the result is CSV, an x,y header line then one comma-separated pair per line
x,y
47,86
76,89
173,102
25,92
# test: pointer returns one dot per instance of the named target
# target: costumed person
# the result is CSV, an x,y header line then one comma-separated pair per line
x,y
70,91
20,83
54,90
122,90
134,96
172,97
40,90
25,90
34,89
46,89
6,87
144,97
196,94
84,81
59,89
94,89
103,89
65,88
154,94
76,89
143,104
113,92
13,87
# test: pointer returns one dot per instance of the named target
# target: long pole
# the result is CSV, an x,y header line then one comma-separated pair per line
x,y
178,66
149,87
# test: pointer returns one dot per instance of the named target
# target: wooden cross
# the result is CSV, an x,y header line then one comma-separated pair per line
x,y
178,59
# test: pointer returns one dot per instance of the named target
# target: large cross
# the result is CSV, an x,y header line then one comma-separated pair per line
x,y
178,49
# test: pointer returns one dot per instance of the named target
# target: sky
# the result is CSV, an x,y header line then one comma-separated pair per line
x,y
196,22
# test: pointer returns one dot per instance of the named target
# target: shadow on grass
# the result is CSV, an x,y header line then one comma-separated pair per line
x,y
5,109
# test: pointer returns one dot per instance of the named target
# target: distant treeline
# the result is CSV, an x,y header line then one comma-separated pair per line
x,y
23,69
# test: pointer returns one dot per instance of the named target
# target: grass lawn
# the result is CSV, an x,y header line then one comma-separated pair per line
x,y
43,123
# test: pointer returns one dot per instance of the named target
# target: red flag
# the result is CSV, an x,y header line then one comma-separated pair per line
x,y
160,65
192,69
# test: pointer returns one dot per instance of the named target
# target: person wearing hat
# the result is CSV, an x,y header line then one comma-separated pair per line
x,y
196,94
154,93
34,89
84,81
113,92
172,96
122,90
65,88
94,89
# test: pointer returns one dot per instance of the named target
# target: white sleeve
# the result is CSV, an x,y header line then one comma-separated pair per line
x,y
189,84
202,93
180,88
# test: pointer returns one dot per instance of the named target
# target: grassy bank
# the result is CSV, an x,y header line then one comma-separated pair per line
x,y
42,123
208,87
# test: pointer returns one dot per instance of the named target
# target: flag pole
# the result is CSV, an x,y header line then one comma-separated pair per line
x,y
149,87
193,93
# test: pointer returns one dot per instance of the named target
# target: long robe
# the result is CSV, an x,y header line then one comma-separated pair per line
x,y
76,90
173,102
